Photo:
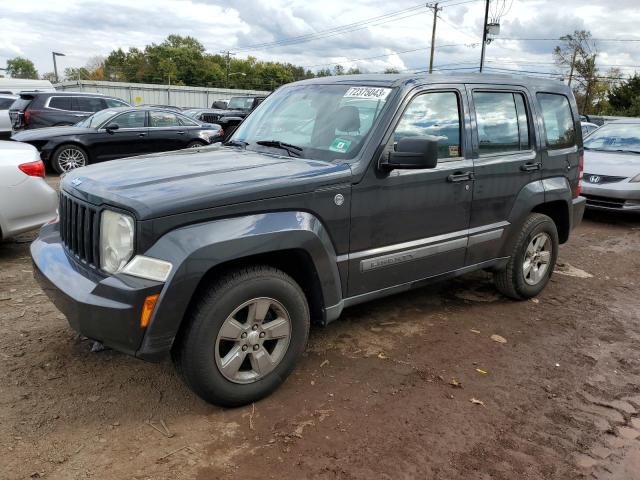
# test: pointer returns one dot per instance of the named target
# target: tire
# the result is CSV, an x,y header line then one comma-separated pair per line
x,y
63,161
522,280
196,144
206,360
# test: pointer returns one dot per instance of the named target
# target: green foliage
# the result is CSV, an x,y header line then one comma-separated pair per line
x,y
624,98
183,61
19,67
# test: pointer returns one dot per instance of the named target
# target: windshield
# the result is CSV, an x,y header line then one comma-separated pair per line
x,y
97,119
615,137
323,122
240,103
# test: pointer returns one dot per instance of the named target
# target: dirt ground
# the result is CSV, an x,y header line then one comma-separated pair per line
x,y
412,386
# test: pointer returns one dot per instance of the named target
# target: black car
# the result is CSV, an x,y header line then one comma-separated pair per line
x,y
334,192
116,133
237,110
52,109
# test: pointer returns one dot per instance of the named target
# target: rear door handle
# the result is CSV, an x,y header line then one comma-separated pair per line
x,y
460,177
530,167
181,132
142,134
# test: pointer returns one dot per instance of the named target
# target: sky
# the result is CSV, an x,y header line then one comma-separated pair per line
x,y
399,38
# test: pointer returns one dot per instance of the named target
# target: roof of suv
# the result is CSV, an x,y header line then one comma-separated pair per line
x,y
66,94
398,79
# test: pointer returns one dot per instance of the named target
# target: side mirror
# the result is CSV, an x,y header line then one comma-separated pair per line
x,y
413,153
112,127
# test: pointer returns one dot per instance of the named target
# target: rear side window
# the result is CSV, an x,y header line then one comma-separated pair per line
x,y
88,104
163,119
61,103
187,122
502,122
558,120
435,115
21,103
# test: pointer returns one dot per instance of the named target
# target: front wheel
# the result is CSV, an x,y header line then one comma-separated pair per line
x,y
69,157
243,336
532,260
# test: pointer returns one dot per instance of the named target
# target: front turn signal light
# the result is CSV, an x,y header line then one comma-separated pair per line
x,y
147,309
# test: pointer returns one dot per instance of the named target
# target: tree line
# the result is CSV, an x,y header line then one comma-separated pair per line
x,y
182,60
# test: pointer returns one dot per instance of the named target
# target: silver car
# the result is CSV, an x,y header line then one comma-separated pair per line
x,y
612,167
26,201
5,122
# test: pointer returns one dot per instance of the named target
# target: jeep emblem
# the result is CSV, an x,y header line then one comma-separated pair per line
x,y
338,199
76,181
594,179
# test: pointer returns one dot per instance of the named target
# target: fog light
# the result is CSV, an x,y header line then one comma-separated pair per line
x,y
149,268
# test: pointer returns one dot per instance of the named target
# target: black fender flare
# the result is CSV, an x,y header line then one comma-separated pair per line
x,y
195,249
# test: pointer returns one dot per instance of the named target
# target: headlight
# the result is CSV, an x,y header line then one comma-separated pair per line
x,y
636,178
116,240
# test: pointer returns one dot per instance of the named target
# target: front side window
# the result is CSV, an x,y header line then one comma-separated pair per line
x,y
558,120
501,119
163,120
322,122
435,115
97,119
615,137
130,119
87,104
114,102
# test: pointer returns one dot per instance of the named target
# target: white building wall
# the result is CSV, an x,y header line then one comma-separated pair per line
x,y
147,93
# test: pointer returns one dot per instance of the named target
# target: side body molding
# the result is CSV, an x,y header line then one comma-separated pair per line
x,y
195,249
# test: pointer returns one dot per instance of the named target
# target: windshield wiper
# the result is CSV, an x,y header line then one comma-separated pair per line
x,y
628,151
285,146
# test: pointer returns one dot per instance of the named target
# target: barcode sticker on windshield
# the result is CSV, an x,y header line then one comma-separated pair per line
x,y
367,92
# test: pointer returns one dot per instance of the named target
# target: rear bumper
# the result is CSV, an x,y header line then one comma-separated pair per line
x,y
102,308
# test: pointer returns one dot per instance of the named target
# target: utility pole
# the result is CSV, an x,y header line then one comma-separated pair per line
x,y
55,66
228,55
433,33
573,62
484,34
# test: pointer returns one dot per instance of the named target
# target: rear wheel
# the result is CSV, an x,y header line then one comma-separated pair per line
x,y
243,337
69,157
532,260
196,144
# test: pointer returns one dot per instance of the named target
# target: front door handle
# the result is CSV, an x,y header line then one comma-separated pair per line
x,y
530,167
460,177
181,132
142,134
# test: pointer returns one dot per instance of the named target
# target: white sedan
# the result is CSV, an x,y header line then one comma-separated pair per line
x,y
26,201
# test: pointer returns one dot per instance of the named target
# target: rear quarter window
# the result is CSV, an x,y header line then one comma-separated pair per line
x,y
558,120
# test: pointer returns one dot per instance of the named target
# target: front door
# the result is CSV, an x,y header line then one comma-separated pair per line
x,y
131,138
505,161
408,225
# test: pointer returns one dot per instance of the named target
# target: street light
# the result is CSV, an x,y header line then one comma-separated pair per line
x,y
55,66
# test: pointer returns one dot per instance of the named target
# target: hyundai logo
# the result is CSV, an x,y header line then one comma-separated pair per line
x,y
594,179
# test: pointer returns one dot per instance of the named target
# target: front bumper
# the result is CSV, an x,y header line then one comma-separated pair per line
x,y
619,196
102,308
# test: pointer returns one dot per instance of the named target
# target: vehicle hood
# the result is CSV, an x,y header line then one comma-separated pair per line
x,y
49,132
170,183
229,113
616,164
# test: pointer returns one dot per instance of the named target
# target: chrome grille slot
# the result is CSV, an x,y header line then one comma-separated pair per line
x,y
79,227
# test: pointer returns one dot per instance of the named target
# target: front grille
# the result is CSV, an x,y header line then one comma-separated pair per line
x,y
209,117
79,229
608,202
600,179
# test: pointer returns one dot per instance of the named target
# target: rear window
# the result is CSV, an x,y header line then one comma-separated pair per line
x,y
558,120
114,102
61,103
88,104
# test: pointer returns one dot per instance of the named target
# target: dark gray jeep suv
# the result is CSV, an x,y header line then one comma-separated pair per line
x,y
334,191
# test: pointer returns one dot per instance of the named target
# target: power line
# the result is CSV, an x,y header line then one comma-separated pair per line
x,y
559,39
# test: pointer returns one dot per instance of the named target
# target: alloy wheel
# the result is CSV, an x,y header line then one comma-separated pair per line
x,y
71,158
253,340
537,258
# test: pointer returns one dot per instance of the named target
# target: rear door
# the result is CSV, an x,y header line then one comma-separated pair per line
x,y
505,160
166,131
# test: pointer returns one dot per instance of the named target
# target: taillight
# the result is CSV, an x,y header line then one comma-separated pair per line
x,y
578,189
221,132
33,169
26,116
